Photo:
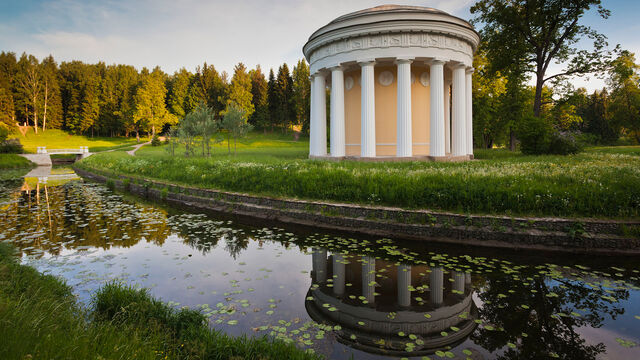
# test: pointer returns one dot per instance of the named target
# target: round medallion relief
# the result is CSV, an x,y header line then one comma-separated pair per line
x,y
348,83
424,79
385,78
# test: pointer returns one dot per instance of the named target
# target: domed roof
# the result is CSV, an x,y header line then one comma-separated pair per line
x,y
389,8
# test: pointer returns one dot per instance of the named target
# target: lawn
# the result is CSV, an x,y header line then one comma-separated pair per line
x,y
601,182
13,161
58,139
40,319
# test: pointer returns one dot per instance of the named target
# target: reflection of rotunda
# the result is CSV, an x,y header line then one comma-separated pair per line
x,y
400,80
375,302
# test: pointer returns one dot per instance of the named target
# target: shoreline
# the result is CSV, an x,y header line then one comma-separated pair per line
x,y
590,236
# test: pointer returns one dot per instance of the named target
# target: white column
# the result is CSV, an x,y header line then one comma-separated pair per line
x,y
458,126
368,111
368,277
337,112
404,281
312,117
319,125
404,146
469,114
436,282
436,146
319,265
447,115
338,274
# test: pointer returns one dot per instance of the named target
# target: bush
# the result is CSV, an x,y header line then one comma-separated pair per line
x,y
538,137
11,146
563,143
155,141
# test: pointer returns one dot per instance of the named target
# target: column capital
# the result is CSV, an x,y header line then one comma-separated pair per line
x,y
458,66
319,73
470,70
404,60
365,62
436,61
337,67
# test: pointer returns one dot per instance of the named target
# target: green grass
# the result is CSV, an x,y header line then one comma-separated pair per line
x,y
58,139
13,161
603,182
40,319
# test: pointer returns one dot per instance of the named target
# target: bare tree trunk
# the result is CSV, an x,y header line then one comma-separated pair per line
x,y
35,113
46,99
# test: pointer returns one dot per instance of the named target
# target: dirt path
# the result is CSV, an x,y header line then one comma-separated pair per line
x,y
135,148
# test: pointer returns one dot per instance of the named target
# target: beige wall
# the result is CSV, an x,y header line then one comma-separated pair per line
x,y
386,113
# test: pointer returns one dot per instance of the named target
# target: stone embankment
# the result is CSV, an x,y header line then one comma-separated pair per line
x,y
557,234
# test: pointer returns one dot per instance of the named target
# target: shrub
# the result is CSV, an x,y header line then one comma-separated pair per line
x,y
11,146
563,143
534,134
155,140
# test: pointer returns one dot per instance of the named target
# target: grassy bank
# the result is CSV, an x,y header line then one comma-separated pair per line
x,y
40,319
58,139
601,182
13,161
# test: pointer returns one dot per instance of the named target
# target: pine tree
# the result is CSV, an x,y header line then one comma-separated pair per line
x,y
284,88
177,92
7,109
259,90
273,99
240,90
301,94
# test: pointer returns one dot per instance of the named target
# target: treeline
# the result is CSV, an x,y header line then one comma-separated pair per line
x,y
119,100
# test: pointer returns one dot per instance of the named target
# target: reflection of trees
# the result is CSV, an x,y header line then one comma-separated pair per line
x,y
547,311
77,214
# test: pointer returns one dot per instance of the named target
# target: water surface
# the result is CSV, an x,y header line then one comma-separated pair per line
x,y
335,294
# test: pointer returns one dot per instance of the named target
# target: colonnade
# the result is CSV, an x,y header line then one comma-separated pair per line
x,y
451,131
461,280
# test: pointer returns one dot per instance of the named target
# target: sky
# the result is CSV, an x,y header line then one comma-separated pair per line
x,y
186,33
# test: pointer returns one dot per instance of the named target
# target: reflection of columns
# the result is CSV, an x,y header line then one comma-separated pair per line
x,y
436,282
368,111
338,274
469,113
458,126
404,145
319,264
318,127
337,112
467,278
447,116
368,277
436,145
458,281
404,282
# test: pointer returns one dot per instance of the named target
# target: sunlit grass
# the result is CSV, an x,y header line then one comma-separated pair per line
x,y
58,139
13,161
602,182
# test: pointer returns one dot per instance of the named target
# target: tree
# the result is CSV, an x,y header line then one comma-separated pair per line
x,y
207,86
150,110
624,80
284,90
7,110
301,94
488,91
177,92
30,82
235,123
240,90
8,70
273,98
539,32
51,102
259,89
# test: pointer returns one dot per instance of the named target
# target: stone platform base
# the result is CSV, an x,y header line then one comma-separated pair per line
x,y
426,158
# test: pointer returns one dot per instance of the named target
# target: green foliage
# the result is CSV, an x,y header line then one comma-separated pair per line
x,y
235,124
593,184
11,146
624,109
538,137
4,132
12,161
259,86
155,140
302,94
151,112
240,90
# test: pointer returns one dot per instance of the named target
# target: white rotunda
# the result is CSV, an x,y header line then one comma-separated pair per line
x,y
400,79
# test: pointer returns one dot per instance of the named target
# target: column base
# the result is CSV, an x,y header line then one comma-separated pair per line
x,y
426,158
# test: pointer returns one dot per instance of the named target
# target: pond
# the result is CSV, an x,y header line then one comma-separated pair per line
x,y
337,294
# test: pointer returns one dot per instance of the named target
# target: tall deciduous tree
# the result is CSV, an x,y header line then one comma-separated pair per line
x,y
541,32
240,90
8,69
150,110
177,92
301,94
29,79
51,105
624,79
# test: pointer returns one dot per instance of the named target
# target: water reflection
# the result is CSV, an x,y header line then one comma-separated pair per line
x,y
366,298
383,307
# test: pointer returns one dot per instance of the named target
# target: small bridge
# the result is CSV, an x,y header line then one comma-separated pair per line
x,y
42,157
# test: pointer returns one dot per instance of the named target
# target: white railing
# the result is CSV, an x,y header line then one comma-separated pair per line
x,y
79,151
